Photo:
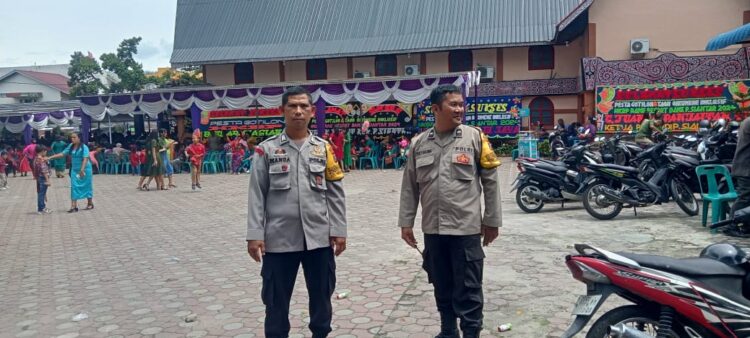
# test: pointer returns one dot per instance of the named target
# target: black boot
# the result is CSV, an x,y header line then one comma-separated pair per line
x,y
448,327
472,332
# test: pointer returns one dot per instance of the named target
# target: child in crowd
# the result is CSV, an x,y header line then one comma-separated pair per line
x,y
135,160
195,153
24,166
41,171
3,174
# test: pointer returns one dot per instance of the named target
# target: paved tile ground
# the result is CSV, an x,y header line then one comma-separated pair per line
x,y
173,263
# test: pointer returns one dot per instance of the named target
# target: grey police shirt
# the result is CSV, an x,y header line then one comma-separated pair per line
x,y
446,176
292,205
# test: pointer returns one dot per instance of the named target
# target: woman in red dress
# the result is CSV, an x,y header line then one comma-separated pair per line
x,y
337,141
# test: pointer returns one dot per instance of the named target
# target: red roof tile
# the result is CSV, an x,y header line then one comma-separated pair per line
x,y
53,80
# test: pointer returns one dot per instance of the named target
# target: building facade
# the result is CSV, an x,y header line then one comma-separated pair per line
x,y
538,50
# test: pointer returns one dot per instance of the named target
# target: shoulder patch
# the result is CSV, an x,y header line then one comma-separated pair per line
x,y
333,171
488,159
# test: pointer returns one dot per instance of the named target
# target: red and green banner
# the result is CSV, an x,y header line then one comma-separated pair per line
x,y
384,119
496,115
395,118
622,108
262,122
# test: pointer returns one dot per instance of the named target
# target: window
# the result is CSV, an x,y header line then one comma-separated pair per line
x,y
541,57
243,73
542,110
460,61
316,69
385,65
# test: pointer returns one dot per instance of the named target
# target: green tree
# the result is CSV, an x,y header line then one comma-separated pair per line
x,y
124,65
189,76
82,73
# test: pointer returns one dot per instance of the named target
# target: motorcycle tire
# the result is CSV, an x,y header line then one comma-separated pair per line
x,y
587,203
520,195
684,197
633,314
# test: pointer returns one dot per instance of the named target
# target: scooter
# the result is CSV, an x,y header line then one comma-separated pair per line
x,y
609,187
541,182
699,297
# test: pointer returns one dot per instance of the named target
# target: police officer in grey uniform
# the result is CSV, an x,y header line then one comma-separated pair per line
x,y
448,168
296,215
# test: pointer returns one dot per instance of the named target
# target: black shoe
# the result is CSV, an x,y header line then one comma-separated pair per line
x,y
72,210
472,333
448,334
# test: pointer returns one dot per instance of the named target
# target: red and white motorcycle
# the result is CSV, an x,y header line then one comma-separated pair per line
x,y
701,297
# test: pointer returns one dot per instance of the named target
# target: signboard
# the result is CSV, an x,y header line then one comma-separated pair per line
x,y
622,108
496,115
263,122
385,119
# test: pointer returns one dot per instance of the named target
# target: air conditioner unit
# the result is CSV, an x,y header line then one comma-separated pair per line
x,y
639,46
360,75
486,72
411,70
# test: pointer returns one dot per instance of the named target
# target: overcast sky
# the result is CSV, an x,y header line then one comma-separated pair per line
x,y
49,31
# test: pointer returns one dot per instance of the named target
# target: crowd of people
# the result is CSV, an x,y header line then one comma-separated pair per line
x,y
349,148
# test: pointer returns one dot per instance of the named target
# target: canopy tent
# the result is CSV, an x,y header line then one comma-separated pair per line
x,y
738,35
411,89
26,117
23,118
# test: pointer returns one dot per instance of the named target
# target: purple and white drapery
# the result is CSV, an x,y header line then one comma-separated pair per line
x,y
406,90
17,124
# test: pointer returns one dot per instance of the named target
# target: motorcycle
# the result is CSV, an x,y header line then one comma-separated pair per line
x,y
543,181
609,187
613,151
698,297
557,145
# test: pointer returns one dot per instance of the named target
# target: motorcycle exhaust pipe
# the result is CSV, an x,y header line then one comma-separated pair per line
x,y
622,331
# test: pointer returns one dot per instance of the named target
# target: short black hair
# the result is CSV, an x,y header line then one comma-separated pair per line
x,y
438,94
40,149
294,91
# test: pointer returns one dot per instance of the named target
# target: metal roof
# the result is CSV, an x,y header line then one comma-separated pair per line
x,y
226,31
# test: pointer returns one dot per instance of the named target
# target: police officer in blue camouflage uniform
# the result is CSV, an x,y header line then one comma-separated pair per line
x,y
449,168
296,215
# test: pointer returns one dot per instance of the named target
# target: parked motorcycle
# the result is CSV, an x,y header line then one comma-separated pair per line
x,y
610,187
557,145
699,297
541,182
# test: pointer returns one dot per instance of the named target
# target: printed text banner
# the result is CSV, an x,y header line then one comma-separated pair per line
x,y
684,105
496,115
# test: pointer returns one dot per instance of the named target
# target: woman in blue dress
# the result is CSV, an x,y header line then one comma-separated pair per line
x,y
81,182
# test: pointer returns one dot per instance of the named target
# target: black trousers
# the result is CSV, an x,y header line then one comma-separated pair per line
x,y
743,194
279,272
454,266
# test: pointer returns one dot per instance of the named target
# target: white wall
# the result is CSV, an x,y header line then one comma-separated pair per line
x,y
20,84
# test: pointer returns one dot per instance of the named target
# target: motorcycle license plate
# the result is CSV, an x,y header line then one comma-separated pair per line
x,y
586,305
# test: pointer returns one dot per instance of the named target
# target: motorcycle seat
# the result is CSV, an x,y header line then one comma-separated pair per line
x,y
683,151
553,168
615,166
554,163
688,266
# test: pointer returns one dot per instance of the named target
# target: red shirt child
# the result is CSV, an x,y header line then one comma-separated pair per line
x,y
195,152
